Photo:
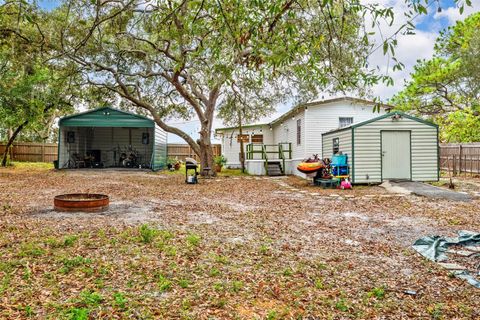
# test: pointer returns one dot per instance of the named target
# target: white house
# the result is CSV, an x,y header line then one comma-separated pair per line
x,y
279,146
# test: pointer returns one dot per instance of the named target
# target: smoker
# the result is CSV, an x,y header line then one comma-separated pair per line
x,y
191,164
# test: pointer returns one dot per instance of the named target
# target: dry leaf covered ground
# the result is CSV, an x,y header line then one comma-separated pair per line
x,y
232,247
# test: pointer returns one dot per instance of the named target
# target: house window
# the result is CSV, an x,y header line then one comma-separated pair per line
x,y
336,145
345,121
243,137
299,131
257,138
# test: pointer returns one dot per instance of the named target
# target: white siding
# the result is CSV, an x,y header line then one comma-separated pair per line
x,y
367,149
345,143
231,148
325,117
286,131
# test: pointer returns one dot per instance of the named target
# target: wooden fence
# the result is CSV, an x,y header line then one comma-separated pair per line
x,y
47,152
460,158
182,151
32,151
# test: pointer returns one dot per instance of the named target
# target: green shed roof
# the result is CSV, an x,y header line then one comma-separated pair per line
x,y
386,115
106,117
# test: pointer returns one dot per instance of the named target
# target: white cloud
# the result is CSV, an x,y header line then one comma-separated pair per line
x,y
452,14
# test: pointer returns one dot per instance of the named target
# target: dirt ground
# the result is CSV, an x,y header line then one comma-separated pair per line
x,y
227,248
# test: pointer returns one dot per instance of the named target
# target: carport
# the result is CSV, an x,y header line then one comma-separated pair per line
x,y
110,138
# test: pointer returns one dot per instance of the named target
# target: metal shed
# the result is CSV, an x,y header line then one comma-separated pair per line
x,y
108,137
393,146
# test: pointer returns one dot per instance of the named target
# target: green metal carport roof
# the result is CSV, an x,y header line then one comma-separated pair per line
x,y
106,117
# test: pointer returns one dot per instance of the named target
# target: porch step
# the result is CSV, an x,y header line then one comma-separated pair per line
x,y
274,168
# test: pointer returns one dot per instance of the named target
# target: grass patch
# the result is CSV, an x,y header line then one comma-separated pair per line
x,y
147,234
90,298
193,240
70,264
163,283
119,300
33,165
183,283
77,314
31,250
377,292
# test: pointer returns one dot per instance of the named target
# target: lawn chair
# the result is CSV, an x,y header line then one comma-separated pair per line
x,y
78,160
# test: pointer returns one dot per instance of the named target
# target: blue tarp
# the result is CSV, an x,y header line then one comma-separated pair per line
x,y
435,248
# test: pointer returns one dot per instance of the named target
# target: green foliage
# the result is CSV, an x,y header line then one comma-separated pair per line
x,y
193,240
147,234
234,59
163,283
220,160
319,283
237,286
34,90
377,292
78,314
120,301
446,88
29,311
90,298
31,250
341,305
183,283
70,264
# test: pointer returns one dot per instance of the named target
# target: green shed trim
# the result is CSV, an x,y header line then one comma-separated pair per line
x,y
360,124
106,117
353,155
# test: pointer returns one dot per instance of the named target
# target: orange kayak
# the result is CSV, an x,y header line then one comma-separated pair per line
x,y
309,167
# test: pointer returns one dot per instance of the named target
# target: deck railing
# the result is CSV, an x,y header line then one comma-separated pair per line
x,y
280,151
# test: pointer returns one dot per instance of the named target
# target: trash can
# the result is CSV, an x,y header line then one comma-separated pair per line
x,y
55,164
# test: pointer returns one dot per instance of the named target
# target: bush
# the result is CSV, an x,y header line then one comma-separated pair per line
x,y
220,160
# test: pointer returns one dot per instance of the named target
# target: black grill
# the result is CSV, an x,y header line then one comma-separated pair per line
x,y
191,164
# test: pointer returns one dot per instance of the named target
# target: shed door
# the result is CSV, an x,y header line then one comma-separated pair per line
x,y
396,155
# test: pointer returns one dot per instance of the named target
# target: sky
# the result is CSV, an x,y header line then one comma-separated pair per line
x,y
410,48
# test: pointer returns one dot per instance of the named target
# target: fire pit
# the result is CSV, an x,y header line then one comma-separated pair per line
x,y
81,202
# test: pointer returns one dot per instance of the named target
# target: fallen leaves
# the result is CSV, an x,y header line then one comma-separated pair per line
x,y
234,248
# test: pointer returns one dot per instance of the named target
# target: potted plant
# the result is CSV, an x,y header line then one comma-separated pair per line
x,y
177,165
220,161
171,164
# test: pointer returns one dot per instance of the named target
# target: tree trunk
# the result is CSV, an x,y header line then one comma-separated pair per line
x,y
11,139
206,152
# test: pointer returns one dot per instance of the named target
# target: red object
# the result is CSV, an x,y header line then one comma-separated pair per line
x,y
345,184
87,202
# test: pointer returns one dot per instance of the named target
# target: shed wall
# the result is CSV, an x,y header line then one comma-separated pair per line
x,y
159,159
345,143
367,150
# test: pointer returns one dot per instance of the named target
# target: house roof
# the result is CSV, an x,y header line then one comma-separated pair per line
x,y
106,117
386,115
295,109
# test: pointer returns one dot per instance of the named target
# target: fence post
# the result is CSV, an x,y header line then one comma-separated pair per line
x,y
43,151
454,166
460,160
